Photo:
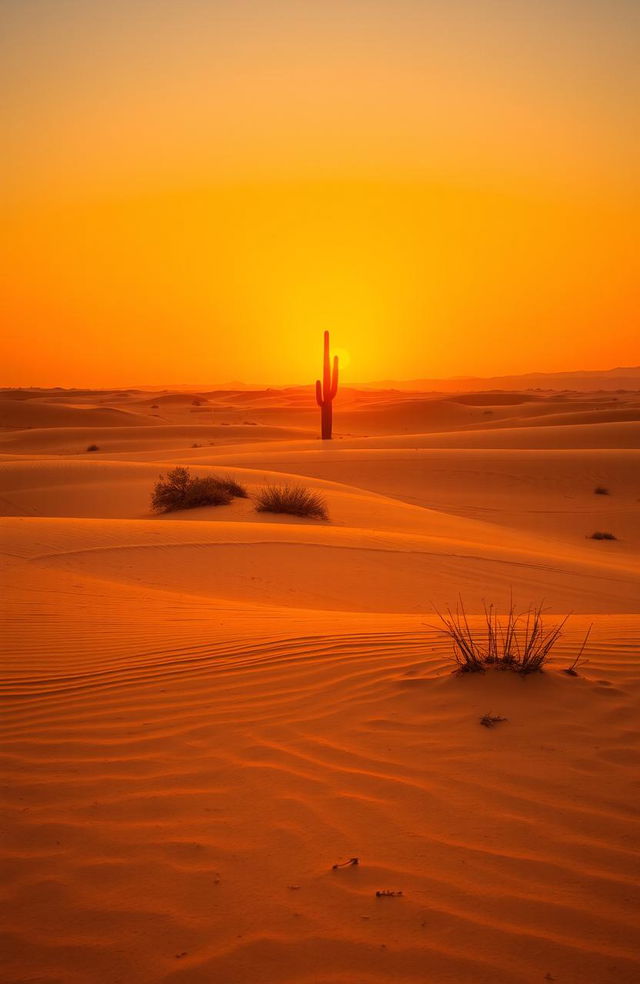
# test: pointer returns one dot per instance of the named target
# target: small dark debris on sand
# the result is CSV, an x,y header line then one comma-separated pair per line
x,y
489,720
386,893
345,864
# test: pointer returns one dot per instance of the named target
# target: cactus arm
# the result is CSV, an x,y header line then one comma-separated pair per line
x,y
334,381
319,399
326,369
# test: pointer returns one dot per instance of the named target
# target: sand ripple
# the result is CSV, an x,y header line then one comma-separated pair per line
x,y
174,813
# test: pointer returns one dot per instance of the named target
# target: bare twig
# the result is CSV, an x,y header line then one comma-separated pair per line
x,y
345,864
571,670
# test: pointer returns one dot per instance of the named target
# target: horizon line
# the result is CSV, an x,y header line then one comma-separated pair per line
x,y
371,384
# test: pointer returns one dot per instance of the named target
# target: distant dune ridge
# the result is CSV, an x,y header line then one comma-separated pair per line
x,y
206,710
579,380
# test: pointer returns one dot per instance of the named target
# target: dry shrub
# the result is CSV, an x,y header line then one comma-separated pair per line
x,y
602,536
295,500
233,487
490,720
181,490
518,641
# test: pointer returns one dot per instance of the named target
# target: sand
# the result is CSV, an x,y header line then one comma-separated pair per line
x,y
204,711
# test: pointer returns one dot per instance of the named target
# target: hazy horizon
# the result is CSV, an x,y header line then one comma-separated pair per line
x,y
613,373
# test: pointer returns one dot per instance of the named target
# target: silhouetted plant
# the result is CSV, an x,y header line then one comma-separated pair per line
x,y
517,641
292,499
600,490
93,447
602,536
181,490
326,391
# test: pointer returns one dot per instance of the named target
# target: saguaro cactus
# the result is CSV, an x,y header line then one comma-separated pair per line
x,y
326,390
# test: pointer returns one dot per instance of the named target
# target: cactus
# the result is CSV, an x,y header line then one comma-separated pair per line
x,y
326,390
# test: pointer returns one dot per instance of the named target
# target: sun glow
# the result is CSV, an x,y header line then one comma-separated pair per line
x,y
421,189
344,358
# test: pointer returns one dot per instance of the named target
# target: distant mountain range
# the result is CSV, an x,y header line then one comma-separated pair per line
x,y
624,378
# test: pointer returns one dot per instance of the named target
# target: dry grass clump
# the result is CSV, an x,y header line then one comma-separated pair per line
x,y
181,490
93,447
518,641
600,490
234,488
295,500
490,720
602,536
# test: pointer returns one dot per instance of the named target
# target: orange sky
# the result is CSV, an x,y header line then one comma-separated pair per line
x,y
192,191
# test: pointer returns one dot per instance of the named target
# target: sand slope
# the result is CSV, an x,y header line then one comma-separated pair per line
x,y
19,415
181,788
204,712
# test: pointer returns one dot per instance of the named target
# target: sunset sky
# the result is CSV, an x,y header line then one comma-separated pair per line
x,y
192,190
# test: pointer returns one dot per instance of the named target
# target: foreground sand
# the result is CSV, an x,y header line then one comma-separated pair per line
x,y
205,712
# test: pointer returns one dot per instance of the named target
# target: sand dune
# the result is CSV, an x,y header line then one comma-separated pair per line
x,y
354,568
360,412
204,711
588,416
622,434
547,492
19,415
76,440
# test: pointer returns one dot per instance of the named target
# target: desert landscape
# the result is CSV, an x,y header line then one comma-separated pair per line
x,y
208,709
320,492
